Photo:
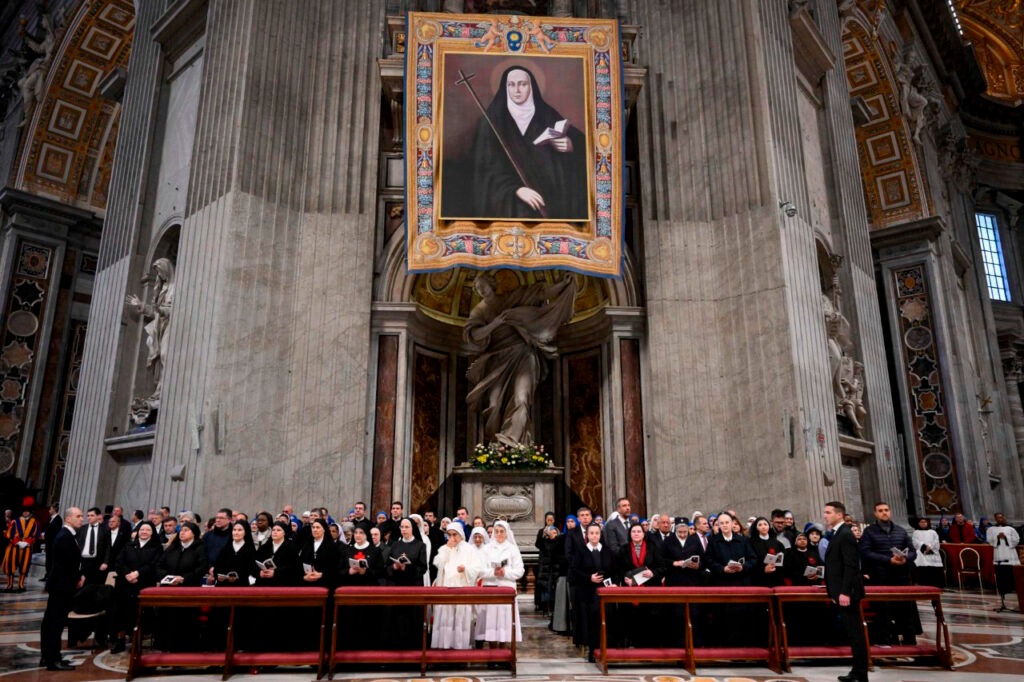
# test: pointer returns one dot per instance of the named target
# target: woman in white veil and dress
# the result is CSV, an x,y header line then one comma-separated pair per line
x,y
502,568
458,565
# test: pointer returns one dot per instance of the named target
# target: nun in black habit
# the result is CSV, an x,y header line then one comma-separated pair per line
x,y
555,170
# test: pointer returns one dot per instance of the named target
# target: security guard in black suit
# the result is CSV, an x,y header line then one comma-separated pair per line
x,y
65,578
845,585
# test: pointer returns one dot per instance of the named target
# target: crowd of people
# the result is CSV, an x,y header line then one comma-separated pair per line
x,y
113,558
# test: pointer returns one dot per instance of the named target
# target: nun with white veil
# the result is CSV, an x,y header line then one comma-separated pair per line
x,y
424,529
502,568
458,565
478,540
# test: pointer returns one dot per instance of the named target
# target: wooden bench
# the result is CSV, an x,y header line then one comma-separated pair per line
x,y
687,596
941,650
422,597
229,598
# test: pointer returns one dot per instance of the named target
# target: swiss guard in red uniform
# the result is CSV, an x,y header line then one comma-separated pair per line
x,y
22,534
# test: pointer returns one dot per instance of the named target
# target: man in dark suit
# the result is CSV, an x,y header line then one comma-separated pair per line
x,y
54,526
120,535
845,587
576,540
661,532
64,579
616,531
94,543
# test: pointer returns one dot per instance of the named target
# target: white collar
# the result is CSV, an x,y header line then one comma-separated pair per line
x,y
593,547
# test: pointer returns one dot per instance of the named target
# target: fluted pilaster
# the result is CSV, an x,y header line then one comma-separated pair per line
x,y
271,328
736,348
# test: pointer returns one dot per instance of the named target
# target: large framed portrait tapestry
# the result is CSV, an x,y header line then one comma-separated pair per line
x,y
513,143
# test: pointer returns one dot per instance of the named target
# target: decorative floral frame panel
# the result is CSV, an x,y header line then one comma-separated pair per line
x,y
578,69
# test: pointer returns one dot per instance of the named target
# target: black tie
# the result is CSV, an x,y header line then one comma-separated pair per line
x,y
92,541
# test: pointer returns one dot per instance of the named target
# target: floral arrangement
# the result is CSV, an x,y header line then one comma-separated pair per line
x,y
500,456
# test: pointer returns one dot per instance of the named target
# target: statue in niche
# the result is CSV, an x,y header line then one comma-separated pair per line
x,y
512,336
31,84
847,373
157,316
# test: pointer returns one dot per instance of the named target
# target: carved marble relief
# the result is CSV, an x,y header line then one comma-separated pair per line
x,y
510,502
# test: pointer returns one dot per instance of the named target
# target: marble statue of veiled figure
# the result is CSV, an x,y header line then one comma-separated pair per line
x,y
512,334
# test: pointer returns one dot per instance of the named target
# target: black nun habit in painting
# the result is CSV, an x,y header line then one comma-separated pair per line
x,y
555,169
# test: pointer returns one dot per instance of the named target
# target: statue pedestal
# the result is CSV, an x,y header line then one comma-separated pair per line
x,y
519,497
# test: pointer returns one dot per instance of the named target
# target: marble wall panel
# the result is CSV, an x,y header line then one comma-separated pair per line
x,y
384,421
584,429
428,404
29,291
633,425
56,360
735,358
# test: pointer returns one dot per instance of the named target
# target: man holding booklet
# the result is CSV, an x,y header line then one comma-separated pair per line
x,y
887,555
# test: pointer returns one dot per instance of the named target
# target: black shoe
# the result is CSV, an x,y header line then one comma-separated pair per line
x,y
850,677
53,667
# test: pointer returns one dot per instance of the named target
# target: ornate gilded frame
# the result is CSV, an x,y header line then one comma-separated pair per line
x,y
593,245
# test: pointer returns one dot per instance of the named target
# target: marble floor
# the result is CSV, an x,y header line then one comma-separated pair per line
x,y
988,647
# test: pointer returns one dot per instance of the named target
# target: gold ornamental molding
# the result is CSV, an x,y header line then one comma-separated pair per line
x,y
67,151
996,29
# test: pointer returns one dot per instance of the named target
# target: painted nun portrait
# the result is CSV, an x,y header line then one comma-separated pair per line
x,y
527,161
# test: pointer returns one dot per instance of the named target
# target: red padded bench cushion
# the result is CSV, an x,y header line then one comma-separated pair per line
x,y
645,654
726,653
253,593
801,589
904,650
691,591
903,589
276,658
377,656
191,658
423,591
819,651
467,655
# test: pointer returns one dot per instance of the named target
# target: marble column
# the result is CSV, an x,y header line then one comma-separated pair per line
x,y
268,382
852,240
1013,373
737,379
